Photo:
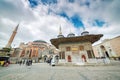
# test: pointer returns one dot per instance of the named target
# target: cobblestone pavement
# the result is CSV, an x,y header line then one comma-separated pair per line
x,y
43,71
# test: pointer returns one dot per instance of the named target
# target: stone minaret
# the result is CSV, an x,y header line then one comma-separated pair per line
x,y
12,37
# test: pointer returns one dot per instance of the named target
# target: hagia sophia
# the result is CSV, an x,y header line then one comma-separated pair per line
x,y
70,49
36,50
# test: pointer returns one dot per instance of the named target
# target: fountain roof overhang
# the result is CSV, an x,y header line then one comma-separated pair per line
x,y
87,38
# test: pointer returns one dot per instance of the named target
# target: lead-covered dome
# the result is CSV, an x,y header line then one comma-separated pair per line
x,y
71,35
41,41
60,36
85,33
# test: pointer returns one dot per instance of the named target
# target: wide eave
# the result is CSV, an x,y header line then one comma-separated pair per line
x,y
87,38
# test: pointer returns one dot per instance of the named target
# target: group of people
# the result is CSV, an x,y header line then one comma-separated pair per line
x,y
53,60
49,60
27,62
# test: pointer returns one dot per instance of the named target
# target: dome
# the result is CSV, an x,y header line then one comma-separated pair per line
x,y
60,36
71,35
85,33
41,41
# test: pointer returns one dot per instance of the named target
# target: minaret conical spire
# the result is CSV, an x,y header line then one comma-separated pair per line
x,y
12,37
16,28
60,31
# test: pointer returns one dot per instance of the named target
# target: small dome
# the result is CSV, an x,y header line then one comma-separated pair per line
x,y
41,41
71,35
60,36
85,33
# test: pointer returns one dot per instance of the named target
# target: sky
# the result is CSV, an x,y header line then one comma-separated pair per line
x,y
41,19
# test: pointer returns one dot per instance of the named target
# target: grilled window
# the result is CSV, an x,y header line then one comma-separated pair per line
x,y
81,48
62,55
68,48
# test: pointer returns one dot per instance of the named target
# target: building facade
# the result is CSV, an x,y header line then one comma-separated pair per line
x,y
75,49
109,48
37,50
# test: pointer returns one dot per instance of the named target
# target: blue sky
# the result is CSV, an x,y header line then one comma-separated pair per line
x,y
75,19
41,19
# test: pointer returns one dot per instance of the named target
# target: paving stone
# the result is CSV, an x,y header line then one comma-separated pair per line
x,y
43,71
